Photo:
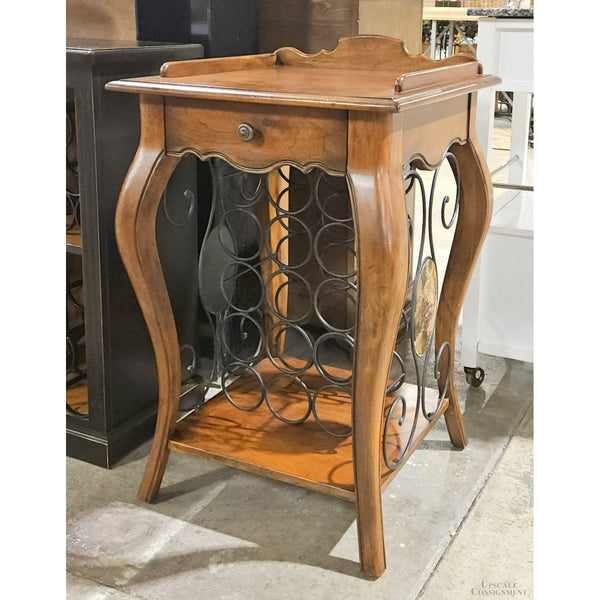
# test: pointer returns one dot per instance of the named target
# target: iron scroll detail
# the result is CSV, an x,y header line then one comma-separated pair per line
x,y
423,310
279,284
265,245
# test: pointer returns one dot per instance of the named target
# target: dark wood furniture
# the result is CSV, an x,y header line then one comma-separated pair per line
x,y
368,115
223,27
309,25
111,407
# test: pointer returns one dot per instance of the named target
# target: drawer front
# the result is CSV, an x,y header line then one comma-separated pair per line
x,y
255,136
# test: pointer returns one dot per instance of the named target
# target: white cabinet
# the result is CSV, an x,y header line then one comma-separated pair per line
x,y
506,290
498,309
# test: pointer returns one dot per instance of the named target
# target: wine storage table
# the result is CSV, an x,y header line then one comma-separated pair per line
x,y
307,259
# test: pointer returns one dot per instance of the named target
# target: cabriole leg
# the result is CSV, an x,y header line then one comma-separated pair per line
x,y
135,231
475,211
375,179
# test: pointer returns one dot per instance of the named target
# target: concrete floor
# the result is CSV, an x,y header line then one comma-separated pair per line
x,y
457,524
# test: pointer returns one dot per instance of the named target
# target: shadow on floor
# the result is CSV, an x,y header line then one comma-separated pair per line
x,y
207,518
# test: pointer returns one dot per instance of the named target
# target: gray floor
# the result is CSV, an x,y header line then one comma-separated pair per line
x,y
457,524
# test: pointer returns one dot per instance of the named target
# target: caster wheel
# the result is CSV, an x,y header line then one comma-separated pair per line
x,y
475,376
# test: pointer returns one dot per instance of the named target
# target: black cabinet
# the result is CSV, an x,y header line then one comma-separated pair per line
x,y
111,372
223,27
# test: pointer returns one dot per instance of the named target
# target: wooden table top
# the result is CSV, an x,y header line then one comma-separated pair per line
x,y
361,73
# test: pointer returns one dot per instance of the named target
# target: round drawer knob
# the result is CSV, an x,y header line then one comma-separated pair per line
x,y
245,131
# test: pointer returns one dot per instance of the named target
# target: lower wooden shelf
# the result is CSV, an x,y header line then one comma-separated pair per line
x,y
77,398
304,454
74,243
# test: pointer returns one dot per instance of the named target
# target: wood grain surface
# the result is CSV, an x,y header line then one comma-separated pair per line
x,y
428,130
211,129
77,398
361,73
377,192
400,19
206,66
135,223
107,20
304,455
368,143
474,216
310,25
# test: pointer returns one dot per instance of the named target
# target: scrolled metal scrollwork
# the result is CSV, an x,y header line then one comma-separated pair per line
x,y
454,165
76,368
76,371
445,347
190,198
278,279
391,417
336,428
277,411
73,197
263,246
423,312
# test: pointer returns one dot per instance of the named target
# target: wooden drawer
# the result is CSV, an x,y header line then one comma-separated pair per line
x,y
297,135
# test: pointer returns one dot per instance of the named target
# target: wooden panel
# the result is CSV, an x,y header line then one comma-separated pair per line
x,y
364,54
204,66
277,232
74,238
322,83
305,454
442,76
428,130
312,25
400,19
109,20
77,398
309,25
280,135
277,85
339,257
361,73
